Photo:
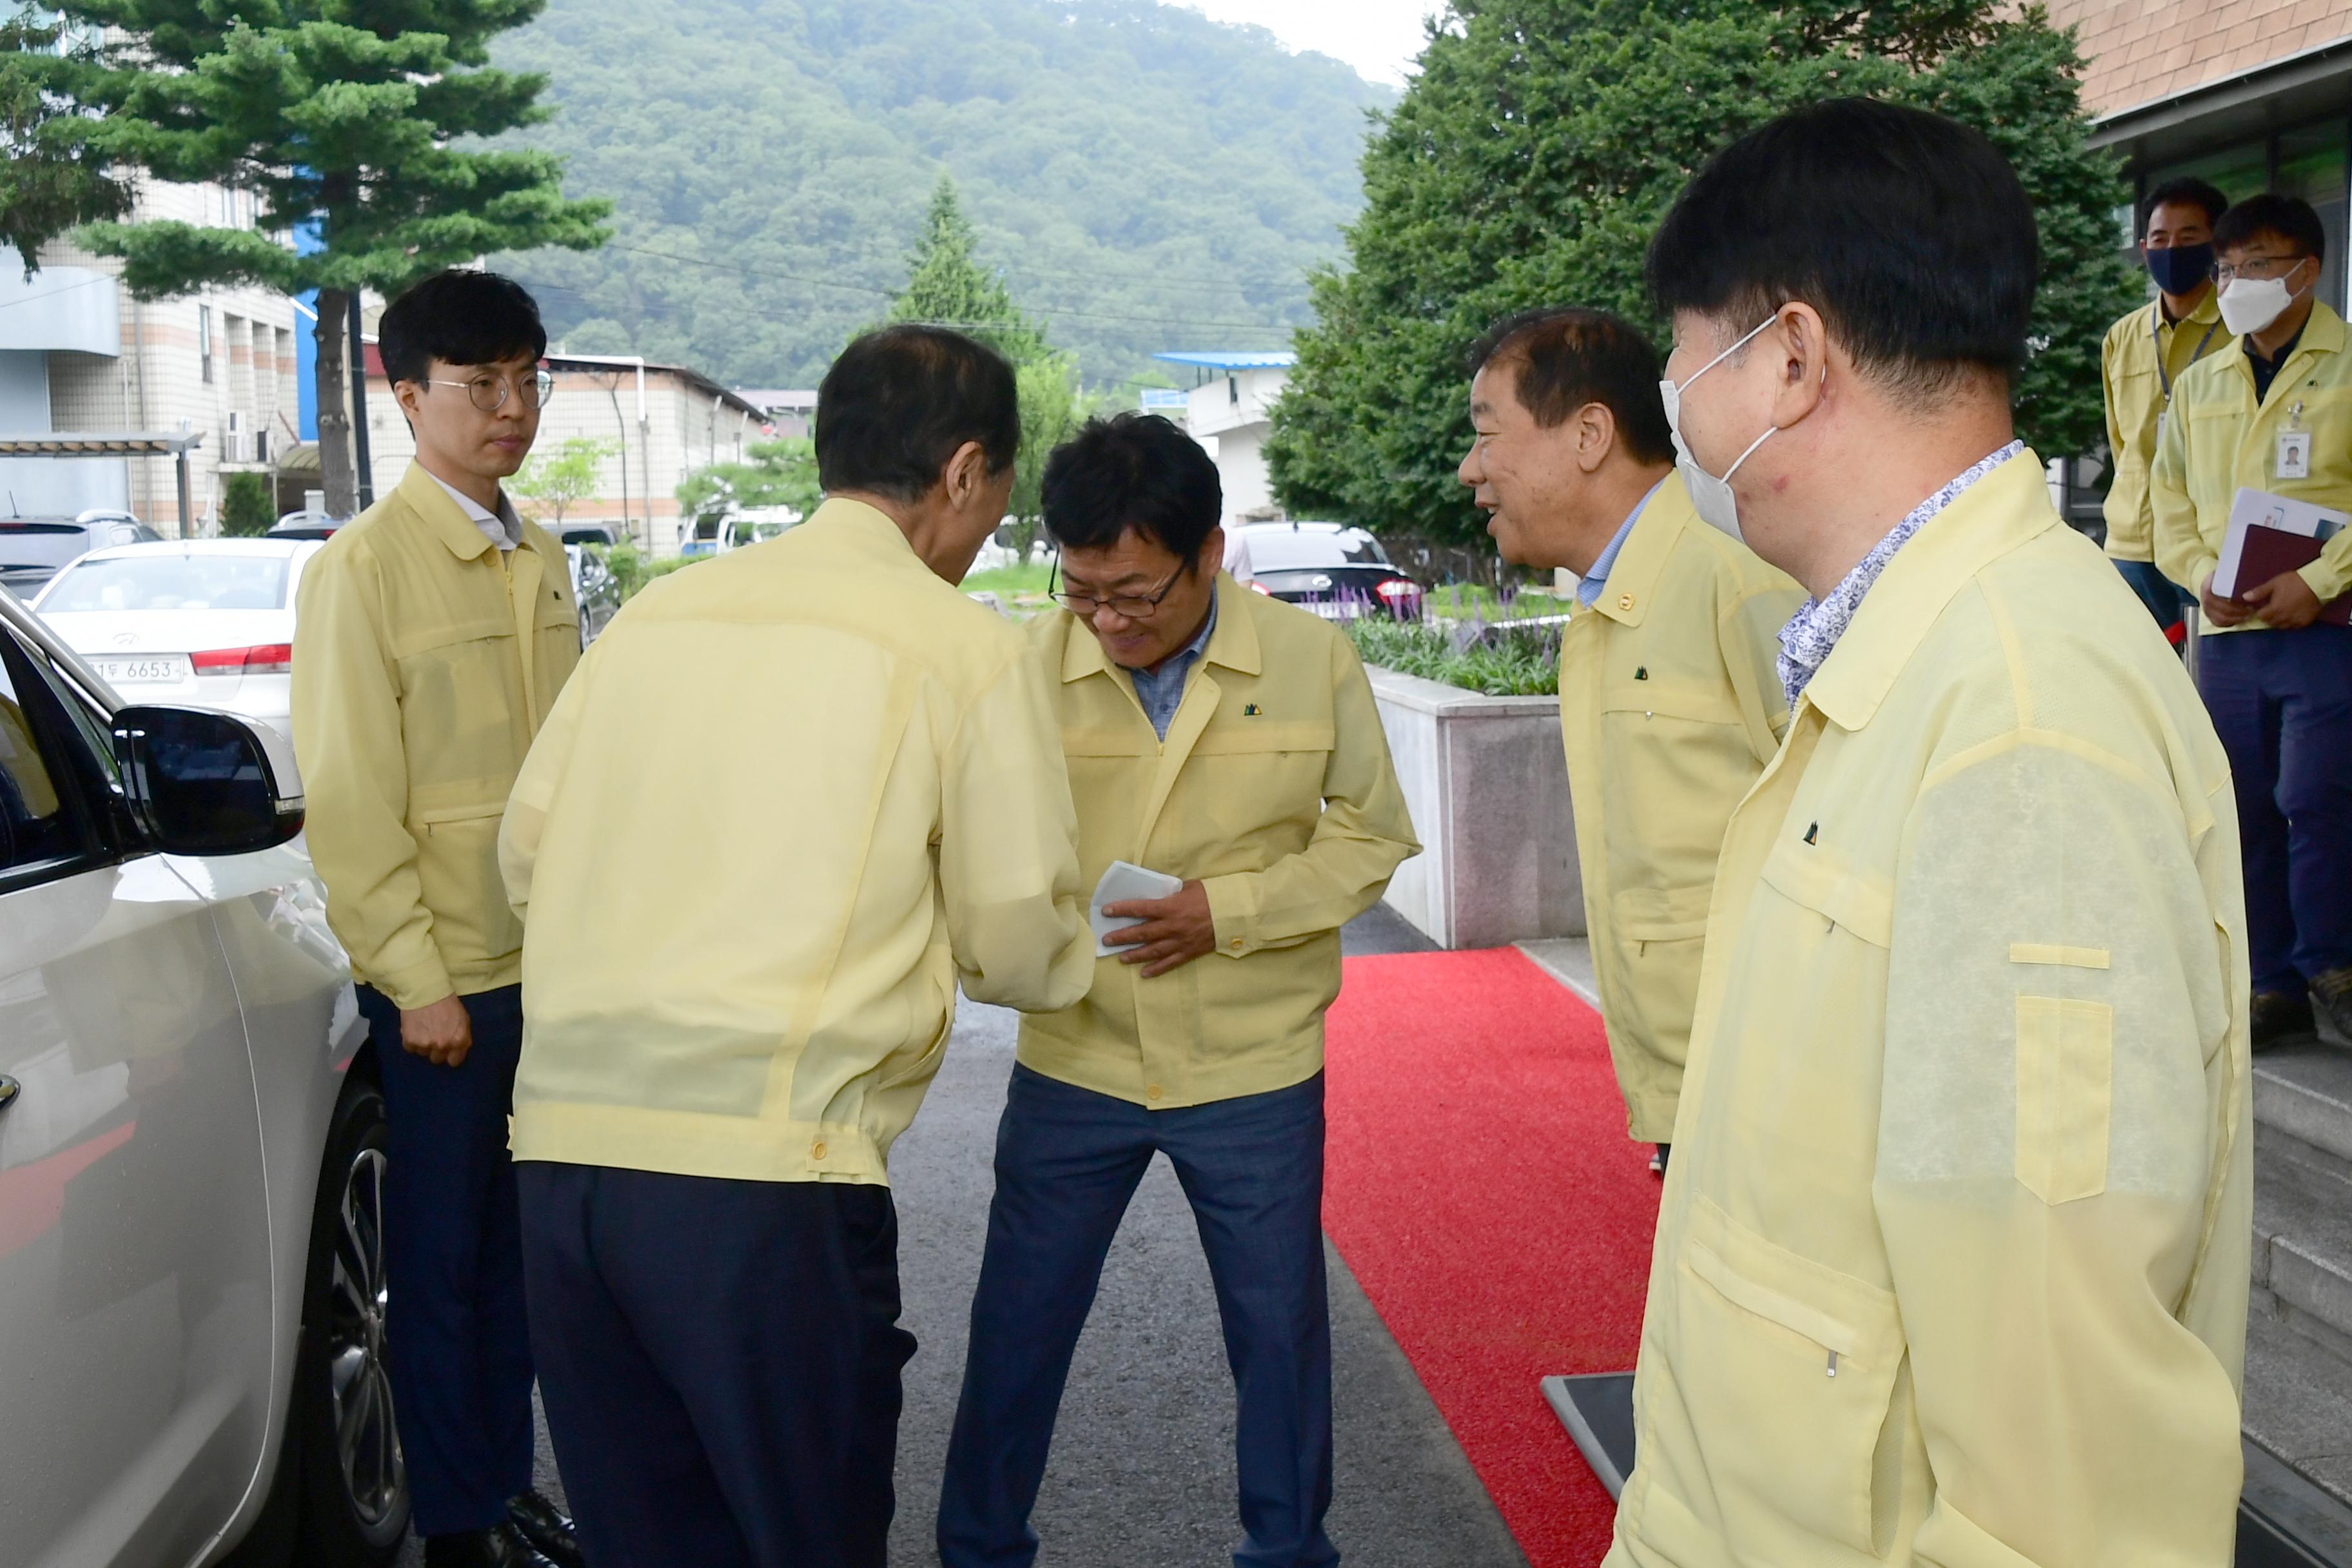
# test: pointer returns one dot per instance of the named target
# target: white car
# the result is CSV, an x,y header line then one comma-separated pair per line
x,y
191,1148
204,621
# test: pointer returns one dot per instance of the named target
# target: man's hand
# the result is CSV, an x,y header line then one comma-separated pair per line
x,y
2285,603
441,1033
1176,930
2220,611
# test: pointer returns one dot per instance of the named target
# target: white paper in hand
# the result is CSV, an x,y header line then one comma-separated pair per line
x,y
1120,884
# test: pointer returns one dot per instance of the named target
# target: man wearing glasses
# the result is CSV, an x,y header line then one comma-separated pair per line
x,y
1229,740
2274,663
431,638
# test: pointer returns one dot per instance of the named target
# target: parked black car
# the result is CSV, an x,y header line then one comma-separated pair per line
x,y
1337,572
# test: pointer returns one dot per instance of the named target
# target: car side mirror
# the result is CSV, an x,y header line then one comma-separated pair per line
x,y
201,781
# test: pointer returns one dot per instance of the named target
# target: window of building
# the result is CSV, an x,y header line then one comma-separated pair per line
x,y
205,341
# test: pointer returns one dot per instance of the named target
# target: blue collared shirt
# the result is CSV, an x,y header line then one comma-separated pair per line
x,y
1814,629
1161,691
1589,586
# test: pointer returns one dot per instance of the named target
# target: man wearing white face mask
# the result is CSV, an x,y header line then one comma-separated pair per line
x,y
1950,1265
2277,675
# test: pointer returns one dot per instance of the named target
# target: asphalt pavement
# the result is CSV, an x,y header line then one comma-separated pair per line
x,y
1142,1472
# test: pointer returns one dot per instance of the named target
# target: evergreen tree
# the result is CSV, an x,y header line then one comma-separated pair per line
x,y
52,180
339,115
1542,141
946,287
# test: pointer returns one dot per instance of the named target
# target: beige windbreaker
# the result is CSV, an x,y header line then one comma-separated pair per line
x,y
1951,1264
1669,707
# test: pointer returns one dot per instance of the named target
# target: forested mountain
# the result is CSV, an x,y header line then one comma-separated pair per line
x,y
1145,178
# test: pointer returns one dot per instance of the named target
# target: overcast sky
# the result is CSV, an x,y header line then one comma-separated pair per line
x,y
1378,37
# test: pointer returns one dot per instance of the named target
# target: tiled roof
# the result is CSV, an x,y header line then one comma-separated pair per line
x,y
2143,51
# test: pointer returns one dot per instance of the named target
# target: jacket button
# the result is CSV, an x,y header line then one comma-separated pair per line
x,y
1151,1092
1625,601
817,1151
1235,944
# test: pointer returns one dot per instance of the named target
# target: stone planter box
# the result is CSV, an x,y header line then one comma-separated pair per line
x,y
1487,786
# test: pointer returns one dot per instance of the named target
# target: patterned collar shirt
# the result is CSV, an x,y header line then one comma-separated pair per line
x,y
1161,690
1814,629
1589,586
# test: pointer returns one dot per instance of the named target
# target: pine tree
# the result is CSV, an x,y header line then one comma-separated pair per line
x,y
946,287
1543,140
345,116
52,180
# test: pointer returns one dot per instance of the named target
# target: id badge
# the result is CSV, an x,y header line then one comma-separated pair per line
x,y
2293,456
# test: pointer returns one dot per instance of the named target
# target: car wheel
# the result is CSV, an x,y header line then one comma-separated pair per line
x,y
355,1485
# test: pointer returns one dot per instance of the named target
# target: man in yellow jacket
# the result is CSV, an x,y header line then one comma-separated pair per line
x,y
1668,704
1229,740
795,801
1951,1264
2274,414
432,636
2146,354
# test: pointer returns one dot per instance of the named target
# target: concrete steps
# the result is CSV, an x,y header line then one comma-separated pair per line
x,y
2299,1333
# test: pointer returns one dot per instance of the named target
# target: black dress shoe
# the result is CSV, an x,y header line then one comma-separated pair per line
x,y
1658,1161
2279,1018
501,1546
2331,996
547,1527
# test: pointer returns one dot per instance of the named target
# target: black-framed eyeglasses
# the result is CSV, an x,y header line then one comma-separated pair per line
x,y
489,392
1128,607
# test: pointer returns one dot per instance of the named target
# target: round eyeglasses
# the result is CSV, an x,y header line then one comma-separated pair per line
x,y
489,392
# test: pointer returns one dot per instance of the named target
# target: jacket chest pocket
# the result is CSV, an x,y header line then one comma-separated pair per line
x,y
1679,760
458,705
1795,1364
1252,775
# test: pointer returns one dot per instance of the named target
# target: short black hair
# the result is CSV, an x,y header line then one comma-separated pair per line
x,y
2292,218
1131,472
2187,190
1907,231
899,401
1567,356
458,318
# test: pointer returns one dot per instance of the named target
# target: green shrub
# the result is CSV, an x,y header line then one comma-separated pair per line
x,y
246,510
1497,660
632,571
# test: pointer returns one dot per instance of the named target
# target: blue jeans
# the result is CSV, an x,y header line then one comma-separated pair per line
x,y
1068,1161
2281,702
457,1341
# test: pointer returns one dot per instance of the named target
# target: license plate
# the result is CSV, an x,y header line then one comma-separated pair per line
x,y
1338,609
140,671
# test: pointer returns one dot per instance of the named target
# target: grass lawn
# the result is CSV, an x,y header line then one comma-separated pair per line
x,y
1010,580
1474,601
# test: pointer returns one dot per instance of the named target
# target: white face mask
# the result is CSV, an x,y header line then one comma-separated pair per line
x,y
1711,496
2250,304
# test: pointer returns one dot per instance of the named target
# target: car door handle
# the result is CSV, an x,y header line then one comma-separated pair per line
x,y
9,1089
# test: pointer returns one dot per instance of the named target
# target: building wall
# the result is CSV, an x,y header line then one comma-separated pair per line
x,y
686,428
161,382
2139,51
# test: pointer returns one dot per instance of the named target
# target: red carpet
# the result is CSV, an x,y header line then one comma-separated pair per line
x,y
1480,1184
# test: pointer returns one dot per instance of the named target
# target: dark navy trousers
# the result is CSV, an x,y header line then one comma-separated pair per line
x,y
457,1339
720,1364
2165,598
2281,702
1068,1161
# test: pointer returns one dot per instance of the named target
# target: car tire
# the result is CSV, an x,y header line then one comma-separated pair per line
x,y
354,1497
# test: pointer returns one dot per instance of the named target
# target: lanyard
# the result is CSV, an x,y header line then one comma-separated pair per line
x,y
2155,328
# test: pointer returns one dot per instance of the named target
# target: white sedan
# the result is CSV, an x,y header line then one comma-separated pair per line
x,y
208,621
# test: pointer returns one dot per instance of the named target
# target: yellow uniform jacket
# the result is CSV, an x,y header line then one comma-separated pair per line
x,y
1274,788
425,661
1669,706
796,798
2218,440
1951,1261
2130,375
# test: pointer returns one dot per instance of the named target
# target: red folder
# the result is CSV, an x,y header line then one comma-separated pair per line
x,y
2270,552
